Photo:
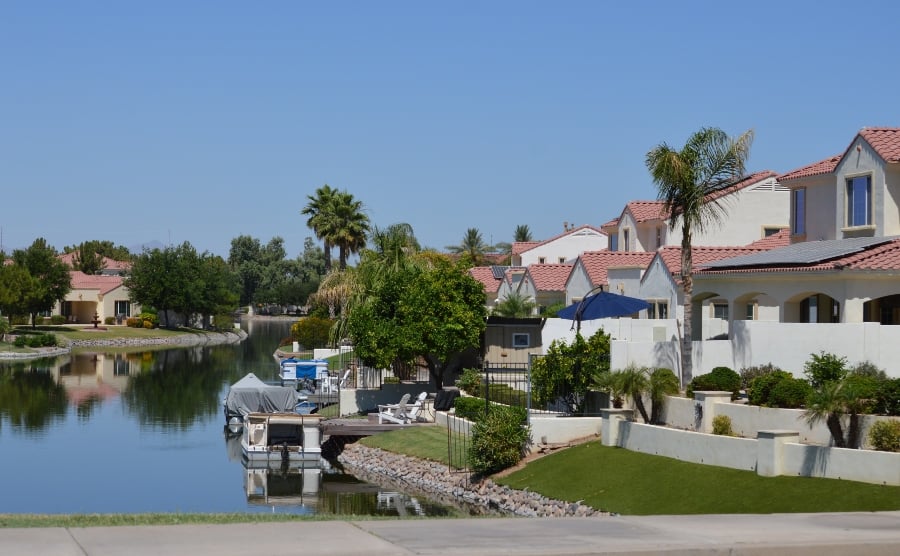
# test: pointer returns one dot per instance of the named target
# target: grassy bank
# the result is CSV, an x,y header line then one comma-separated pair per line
x,y
632,483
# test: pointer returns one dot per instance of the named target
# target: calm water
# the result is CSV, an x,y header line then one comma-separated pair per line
x,y
143,432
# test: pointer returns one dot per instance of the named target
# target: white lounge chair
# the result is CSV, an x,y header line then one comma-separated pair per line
x,y
401,413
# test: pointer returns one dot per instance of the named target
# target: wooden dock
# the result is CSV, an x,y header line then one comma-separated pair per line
x,y
357,427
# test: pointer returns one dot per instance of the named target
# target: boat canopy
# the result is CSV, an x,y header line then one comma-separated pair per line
x,y
251,395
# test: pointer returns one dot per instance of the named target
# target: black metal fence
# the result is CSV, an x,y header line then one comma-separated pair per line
x,y
564,390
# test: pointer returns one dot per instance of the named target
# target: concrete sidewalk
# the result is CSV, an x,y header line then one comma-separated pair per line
x,y
796,534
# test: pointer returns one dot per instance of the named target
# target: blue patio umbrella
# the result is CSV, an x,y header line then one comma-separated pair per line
x,y
602,305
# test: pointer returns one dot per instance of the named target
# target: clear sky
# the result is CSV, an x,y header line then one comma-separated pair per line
x,y
174,121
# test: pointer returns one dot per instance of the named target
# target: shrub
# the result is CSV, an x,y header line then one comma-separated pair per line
x,y
19,320
148,324
312,332
720,378
760,391
109,320
19,342
470,381
721,425
750,373
887,397
223,321
57,319
789,393
148,320
499,440
885,436
134,322
470,408
506,395
869,369
825,367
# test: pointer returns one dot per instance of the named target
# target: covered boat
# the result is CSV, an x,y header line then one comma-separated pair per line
x,y
251,395
281,438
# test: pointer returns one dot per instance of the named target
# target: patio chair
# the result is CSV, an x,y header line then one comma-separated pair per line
x,y
401,413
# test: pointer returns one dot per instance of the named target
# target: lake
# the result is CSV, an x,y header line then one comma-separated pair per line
x,y
143,431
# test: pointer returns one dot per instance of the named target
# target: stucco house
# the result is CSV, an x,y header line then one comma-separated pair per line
x,y
561,249
756,206
103,295
545,284
490,277
592,270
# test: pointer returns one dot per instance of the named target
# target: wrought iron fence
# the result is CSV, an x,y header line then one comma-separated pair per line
x,y
558,392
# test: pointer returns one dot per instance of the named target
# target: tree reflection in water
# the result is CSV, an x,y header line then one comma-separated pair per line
x,y
30,398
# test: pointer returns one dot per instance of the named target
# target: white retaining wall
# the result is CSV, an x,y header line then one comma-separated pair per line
x,y
724,451
841,463
547,429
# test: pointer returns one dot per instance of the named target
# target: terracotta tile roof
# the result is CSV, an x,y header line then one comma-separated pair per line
x,y
884,140
611,224
816,168
520,247
103,283
549,277
752,179
881,257
778,239
597,263
485,275
643,211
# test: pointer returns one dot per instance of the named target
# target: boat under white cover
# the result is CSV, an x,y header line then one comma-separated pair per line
x,y
281,438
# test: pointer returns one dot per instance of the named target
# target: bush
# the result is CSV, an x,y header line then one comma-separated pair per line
x,y
887,397
885,436
19,342
223,321
499,440
57,319
134,322
750,373
825,367
109,320
312,332
760,391
470,382
148,320
789,393
869,369
721,425
720,378
469,408
19,320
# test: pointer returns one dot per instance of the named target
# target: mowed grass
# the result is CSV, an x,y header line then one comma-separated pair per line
x,y
422,441
631,483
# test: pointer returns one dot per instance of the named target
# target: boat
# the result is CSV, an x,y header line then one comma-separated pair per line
x,y
302,373
252,395
281,438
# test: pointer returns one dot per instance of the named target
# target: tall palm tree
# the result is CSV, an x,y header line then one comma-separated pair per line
x,y
472,246
347,227
686,181
394,243
319,211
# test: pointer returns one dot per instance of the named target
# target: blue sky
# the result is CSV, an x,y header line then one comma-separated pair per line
x,y
201,121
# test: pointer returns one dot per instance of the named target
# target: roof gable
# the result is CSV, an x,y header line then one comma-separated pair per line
x,y
100,282
816,168
596,264
523,246
485,275
549,277
884,140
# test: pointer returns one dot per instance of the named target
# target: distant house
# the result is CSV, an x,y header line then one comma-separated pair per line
x,y
111,267
561,249
545,284
756,206
592,270
490,277
105,296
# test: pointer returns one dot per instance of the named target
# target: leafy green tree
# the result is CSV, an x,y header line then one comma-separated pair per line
x,y
825,367
88,260
515,305
431,310
50,278
16,285
472,248
319,211
104,248
257,266
312,332
567,371
688,181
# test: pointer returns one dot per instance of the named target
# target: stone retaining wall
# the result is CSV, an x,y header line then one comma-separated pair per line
x,y
435,481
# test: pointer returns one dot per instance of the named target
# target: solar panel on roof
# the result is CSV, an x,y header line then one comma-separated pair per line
x,y
807,252
498,271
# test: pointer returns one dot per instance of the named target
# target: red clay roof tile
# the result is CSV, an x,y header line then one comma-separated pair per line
x,y
549,277
597,263
103,283
884,140
816,168
485,275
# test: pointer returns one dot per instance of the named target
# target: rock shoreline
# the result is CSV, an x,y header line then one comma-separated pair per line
x,y
181,340
436,481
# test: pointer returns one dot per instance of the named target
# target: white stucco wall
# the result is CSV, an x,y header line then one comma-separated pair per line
x,y
567,247
578,284
820,205
708,449
859,160
841,463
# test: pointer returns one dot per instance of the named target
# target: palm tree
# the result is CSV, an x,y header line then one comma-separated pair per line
x,y
394,244
686,180
523,233
633,382
662,382
319,211
472,246
515,305
347,226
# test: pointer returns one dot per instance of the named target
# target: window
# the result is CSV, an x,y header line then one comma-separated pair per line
x,y
626,240
521,340
720,311
798,211
562,260
614,242
859,201
770,231
751,311
542,260
658,309
659,234
123,308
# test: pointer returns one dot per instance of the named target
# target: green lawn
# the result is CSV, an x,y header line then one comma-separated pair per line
x,y
632,483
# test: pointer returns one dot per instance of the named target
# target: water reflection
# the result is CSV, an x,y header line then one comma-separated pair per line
x,y
141,430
